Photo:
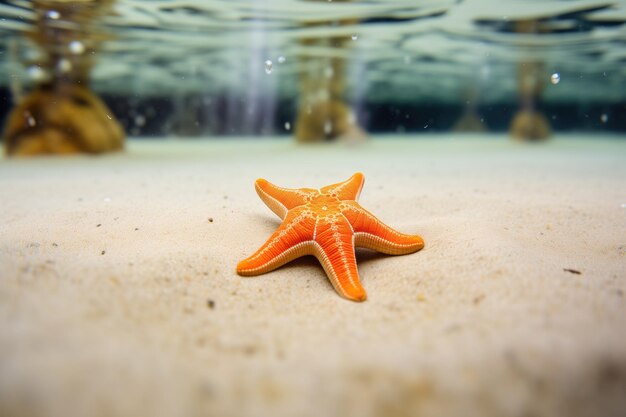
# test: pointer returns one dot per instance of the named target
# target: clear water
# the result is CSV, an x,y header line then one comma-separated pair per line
x,y
210,67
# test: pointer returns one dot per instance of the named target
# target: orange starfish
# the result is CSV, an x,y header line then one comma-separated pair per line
x,y
327,223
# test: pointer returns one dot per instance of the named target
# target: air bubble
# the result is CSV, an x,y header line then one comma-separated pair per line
x,y
604,118
268,66
287,126
64,65
355,37
30,119
77,47
140,120
328,127
555,78
53,14
281,59
36,73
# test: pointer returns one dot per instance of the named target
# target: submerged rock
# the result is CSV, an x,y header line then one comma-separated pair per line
x,y
530,125
62,119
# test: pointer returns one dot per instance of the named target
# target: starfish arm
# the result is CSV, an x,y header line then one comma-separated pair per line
x,y
347,190
290,241
334,248
280,200
371,233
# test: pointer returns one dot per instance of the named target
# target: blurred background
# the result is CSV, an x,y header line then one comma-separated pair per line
x,y
118,290
313,70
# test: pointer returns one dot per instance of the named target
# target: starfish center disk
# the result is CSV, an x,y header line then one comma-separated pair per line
x,y
324,203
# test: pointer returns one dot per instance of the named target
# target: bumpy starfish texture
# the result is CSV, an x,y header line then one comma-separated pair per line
x,y
327,223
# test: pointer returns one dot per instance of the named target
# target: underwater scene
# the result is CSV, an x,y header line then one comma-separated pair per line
x,y
312,208
318,70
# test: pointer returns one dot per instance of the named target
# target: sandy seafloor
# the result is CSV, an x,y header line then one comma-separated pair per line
x,y
118,296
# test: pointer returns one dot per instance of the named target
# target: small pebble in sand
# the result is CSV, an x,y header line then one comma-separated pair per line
x,y
103,252
54,244
572,271
421,297
211,304
210,219
99,224
136,228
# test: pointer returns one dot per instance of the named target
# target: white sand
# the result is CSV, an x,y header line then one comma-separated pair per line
x,y
107,265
